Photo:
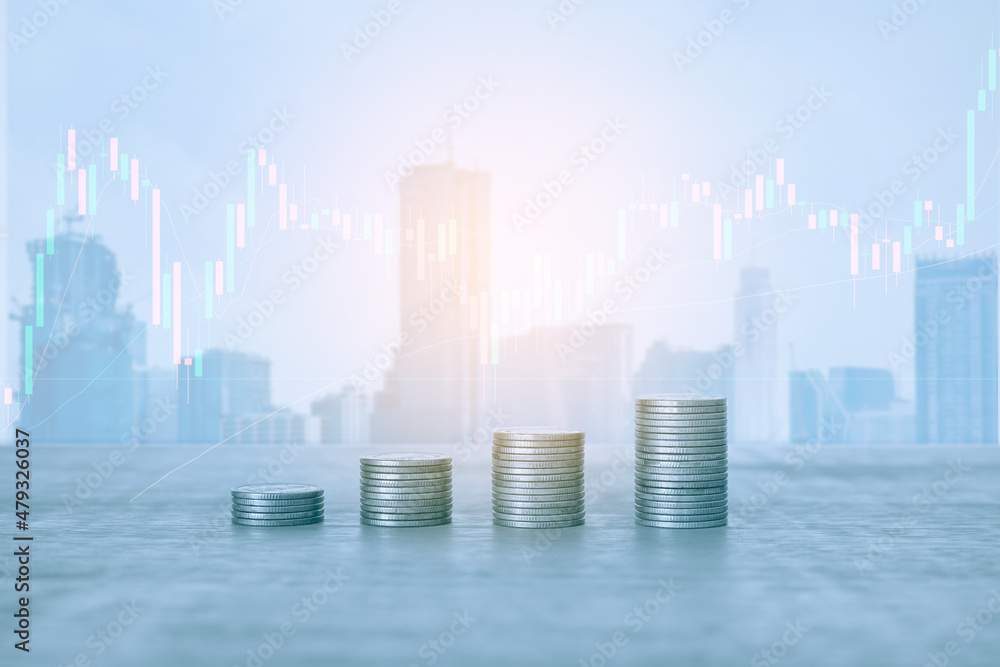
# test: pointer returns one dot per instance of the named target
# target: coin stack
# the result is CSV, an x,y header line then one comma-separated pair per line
x,y
538,477
680,461
277,505
405,490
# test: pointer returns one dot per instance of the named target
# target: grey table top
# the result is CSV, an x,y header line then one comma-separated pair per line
x,y
854,556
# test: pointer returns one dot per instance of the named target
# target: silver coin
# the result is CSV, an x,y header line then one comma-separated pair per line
x,y
655,509
651,458
528,455
405,476
569,477
642,465
681,518
697,464
402,495
531,514
647,452
533,469
681,426
692,432
689,524
551,516
543,451
671,505
680,413
406,524
528,504
667,433
667,477
381,470
670,484
405,509
575,484
274,523
681,495
405,516
680,400
269,506
681,421
537,433
277,515
276,491
428,484
406,459
406,502
537,497
507,523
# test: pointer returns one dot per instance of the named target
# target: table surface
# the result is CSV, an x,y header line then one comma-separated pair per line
x,y
874,556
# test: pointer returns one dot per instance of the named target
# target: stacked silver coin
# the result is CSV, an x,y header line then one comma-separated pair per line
x,y
538,477
405,489
269,505
681,469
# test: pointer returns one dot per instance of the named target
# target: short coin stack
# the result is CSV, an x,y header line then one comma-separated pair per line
x,y
270,505
405,490
538,477
680,461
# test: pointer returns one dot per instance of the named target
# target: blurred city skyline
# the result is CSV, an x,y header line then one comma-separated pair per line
x,y
844,134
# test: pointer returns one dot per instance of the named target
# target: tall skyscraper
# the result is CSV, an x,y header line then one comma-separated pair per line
x,y
756,366
435,389
81,362
956,349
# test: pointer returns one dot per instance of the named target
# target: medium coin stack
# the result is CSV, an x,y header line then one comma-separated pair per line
x,y
277,505
405,490
680,461
538,477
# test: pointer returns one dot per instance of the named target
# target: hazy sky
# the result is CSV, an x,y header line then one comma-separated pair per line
x,y
219,78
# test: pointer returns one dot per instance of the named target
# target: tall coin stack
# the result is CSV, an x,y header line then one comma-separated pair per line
x,y
405,490
270,505
538,477
680,461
